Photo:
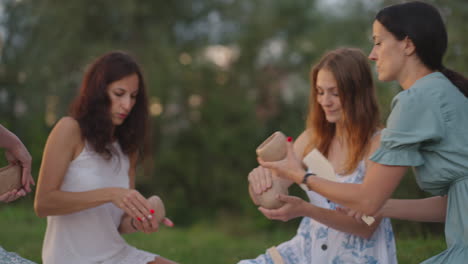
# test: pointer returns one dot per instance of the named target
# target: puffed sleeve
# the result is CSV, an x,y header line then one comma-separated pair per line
x,y
414,124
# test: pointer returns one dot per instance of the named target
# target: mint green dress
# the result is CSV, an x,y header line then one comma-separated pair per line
x,y
428,129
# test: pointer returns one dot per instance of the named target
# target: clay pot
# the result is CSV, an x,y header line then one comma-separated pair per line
x,y
10,178
268,198
158,207
272,149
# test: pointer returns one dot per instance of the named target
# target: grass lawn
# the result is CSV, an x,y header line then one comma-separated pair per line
x,y
222,243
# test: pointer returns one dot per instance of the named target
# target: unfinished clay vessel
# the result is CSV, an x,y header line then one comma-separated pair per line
x,y
10,178
158,207
272,149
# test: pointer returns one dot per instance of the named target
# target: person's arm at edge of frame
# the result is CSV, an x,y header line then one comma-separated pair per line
x,y
432,209
7,138
296,207
16,152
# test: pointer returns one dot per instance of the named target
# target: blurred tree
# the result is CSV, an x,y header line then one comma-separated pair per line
x,y
222,75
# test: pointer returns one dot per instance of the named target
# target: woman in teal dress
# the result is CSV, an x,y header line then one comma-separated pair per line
x,y
427,129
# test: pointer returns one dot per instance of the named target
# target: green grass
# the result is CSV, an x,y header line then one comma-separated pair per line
x,y
225,241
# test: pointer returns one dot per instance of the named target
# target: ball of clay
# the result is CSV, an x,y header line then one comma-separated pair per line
x,y
158,207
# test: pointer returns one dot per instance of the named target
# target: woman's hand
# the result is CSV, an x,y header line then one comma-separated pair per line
x,y
136,206
19,155
12,195
290,167
260,179
151,227
293,207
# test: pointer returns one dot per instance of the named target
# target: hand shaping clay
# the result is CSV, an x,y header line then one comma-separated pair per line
x,y
272,149
10,178
158,206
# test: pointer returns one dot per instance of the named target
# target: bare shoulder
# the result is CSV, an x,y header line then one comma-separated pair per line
x,y
302,141
67,127
67,131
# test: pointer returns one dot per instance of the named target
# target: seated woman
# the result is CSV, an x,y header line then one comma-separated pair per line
x,y
343,124
87,177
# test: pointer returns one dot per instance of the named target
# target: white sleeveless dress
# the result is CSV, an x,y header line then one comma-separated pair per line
x,y
319,244
91,236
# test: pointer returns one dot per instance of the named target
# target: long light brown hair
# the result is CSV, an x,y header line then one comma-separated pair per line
x,y
356,91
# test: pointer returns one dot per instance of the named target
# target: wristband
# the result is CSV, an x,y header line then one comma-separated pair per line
x,y
307,175
133,225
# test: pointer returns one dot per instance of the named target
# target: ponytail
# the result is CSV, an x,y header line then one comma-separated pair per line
x,y
460,81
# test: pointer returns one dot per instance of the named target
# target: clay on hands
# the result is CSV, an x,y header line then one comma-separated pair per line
x,y
10,178
272,149
158,207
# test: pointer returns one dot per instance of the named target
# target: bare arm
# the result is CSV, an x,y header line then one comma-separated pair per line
x,y
379,183
374,190
8,140
63,145
260,179
296,207
332,218
342,222
16,153
432,209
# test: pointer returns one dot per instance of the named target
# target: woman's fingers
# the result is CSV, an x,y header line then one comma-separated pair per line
x,y
144,212
260,179
290,147
269,213
168,222
144,206
12,195
254,182
267,182
268,164
130,207
288,199
263,179
6,196
274,214
137,207
27,179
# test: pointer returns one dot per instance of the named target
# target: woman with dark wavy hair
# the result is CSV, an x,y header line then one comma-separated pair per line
x,y
87,177
343,123
427,129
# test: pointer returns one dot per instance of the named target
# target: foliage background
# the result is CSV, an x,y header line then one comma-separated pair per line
x,y
222,76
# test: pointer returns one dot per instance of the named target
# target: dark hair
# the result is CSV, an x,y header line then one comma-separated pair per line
x,y
351,70
91,108
422,23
